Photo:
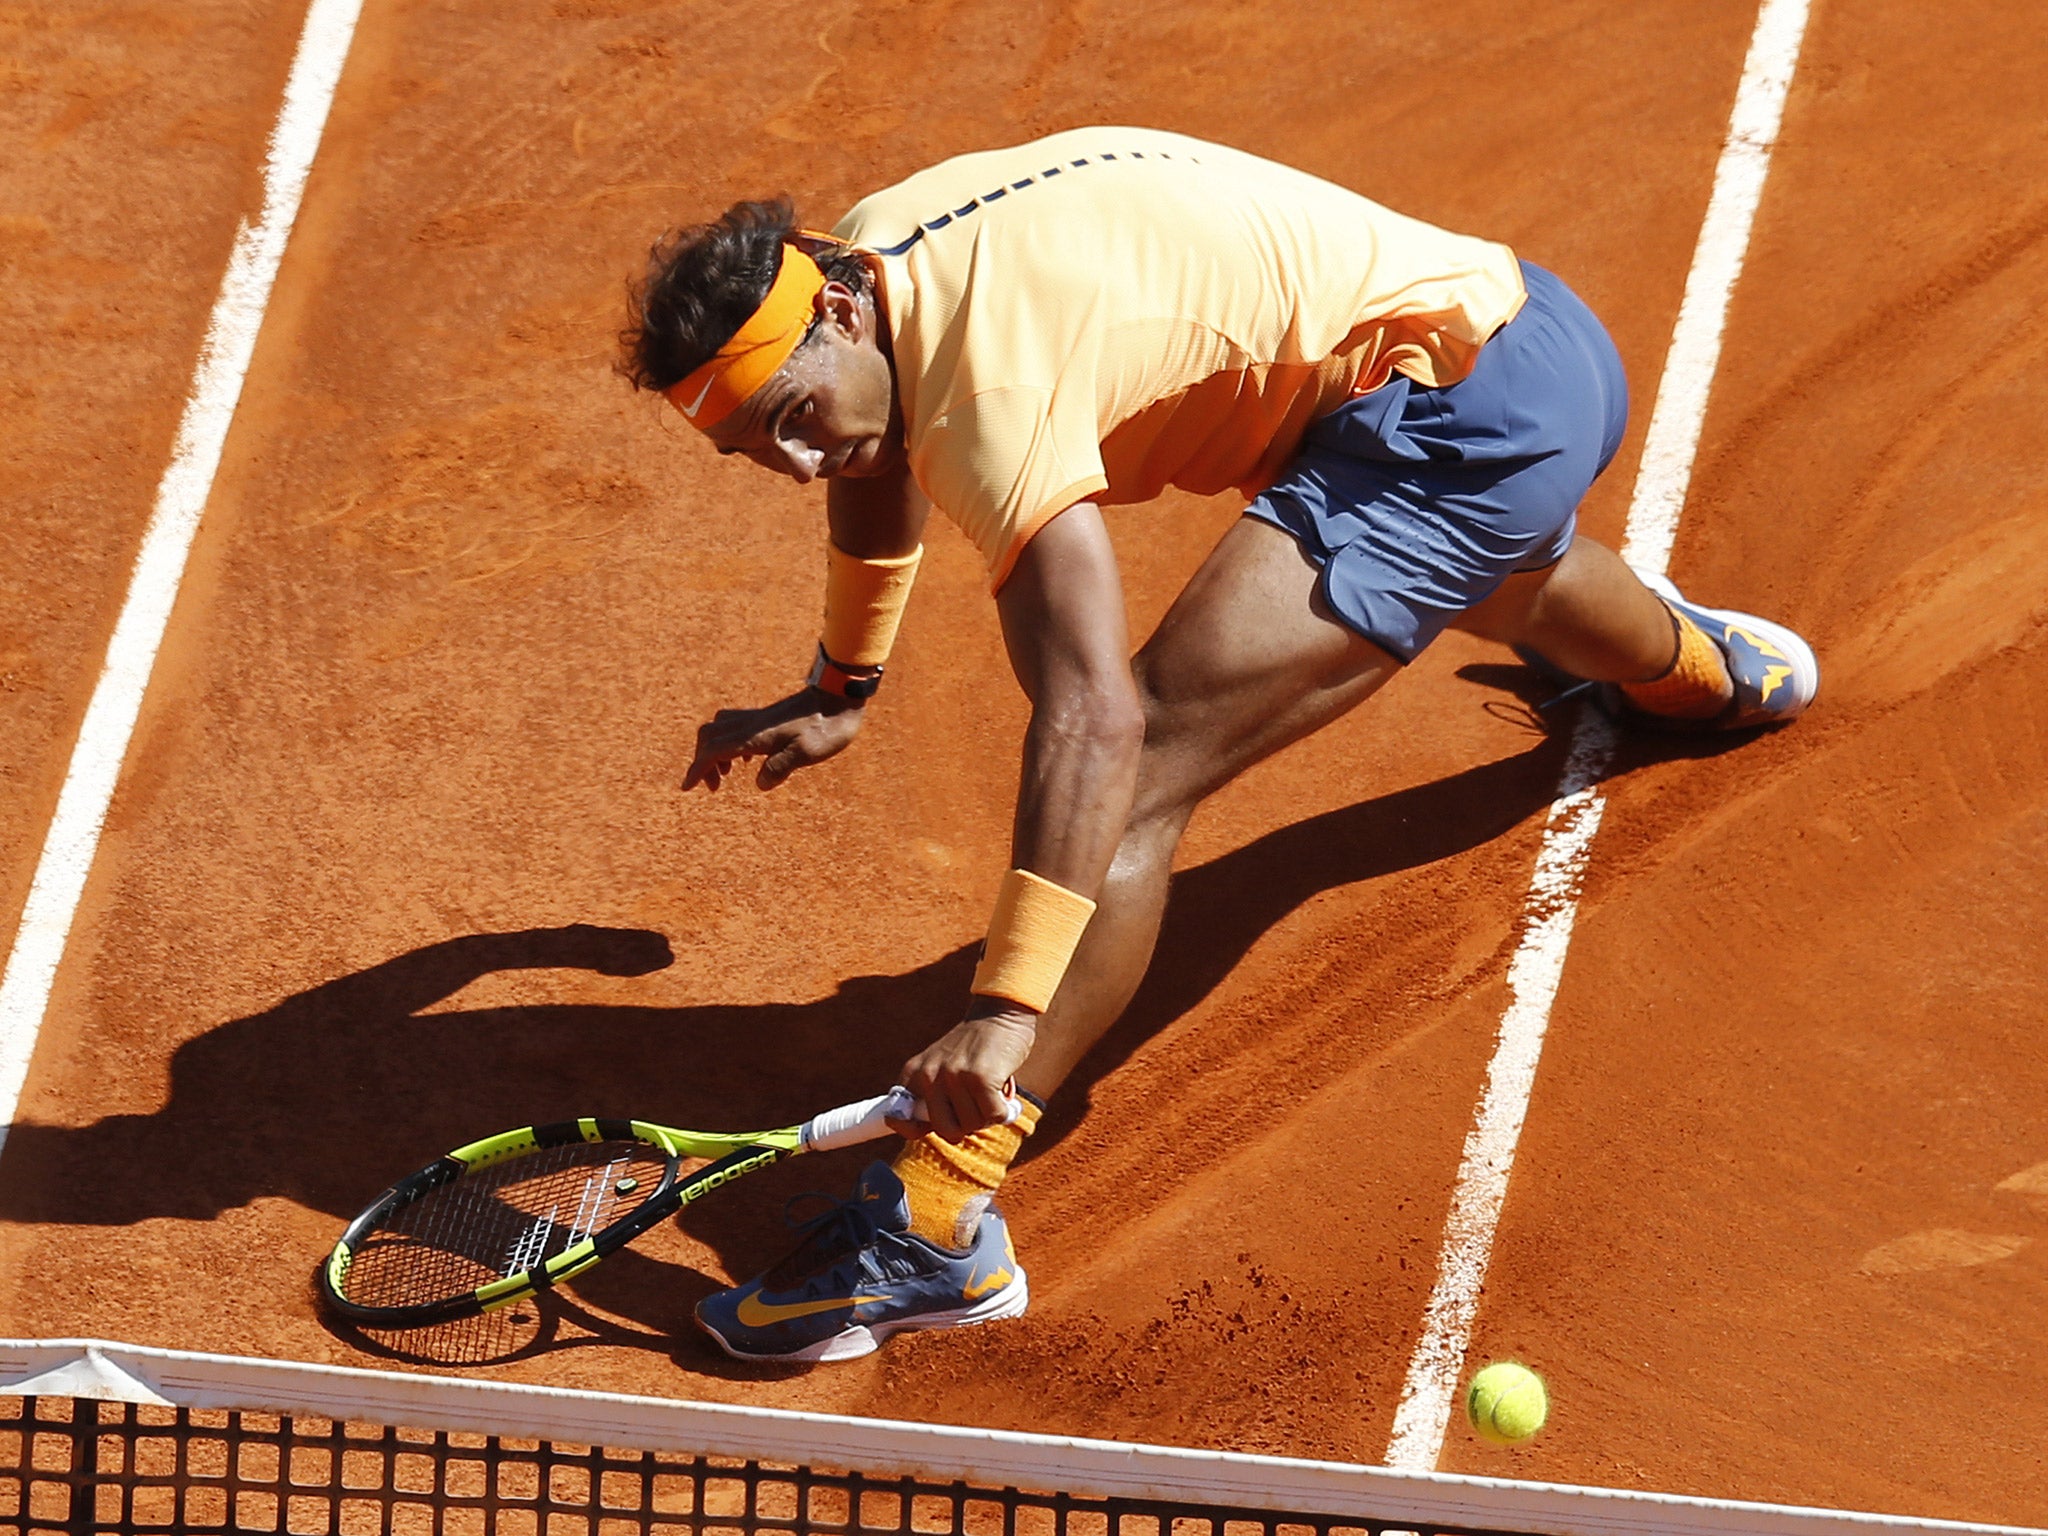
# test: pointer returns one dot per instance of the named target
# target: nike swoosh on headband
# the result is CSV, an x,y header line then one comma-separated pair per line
x,y
697,405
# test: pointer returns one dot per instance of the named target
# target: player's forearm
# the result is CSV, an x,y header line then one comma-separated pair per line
x,y
877,517
1079,776
1062,609
871,562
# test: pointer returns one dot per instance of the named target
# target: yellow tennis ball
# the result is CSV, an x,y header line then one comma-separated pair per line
x,y
1507,1403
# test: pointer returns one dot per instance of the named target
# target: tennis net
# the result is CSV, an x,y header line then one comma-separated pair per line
x,y
99,1437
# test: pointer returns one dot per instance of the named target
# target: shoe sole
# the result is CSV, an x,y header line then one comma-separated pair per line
x,y
1805,665
865,1338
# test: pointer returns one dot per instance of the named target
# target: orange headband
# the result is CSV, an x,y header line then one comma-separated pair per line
x,y
757,349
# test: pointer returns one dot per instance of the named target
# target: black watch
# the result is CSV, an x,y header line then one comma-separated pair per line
x,y
845,682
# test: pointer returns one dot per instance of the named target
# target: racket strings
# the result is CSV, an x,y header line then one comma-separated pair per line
x,y
500,1220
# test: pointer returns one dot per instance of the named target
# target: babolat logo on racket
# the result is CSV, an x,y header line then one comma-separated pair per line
x,y
727,1175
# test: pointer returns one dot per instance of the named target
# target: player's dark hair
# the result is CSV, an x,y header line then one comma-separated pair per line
x,y
703,282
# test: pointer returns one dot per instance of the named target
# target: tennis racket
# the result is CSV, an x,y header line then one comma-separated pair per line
x,y
517,1213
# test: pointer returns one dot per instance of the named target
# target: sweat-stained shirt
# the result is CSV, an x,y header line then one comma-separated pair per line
x,y
1108,311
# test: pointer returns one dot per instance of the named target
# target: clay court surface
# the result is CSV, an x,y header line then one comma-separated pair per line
x,y
398,856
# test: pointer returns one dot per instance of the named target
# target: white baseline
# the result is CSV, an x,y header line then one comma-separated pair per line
x,y
181,496
1431,1388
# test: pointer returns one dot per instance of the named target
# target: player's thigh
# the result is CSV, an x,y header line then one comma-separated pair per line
x,y
1247,660
1508,612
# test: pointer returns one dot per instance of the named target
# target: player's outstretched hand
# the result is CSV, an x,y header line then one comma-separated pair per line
x,y
962,1078
797,732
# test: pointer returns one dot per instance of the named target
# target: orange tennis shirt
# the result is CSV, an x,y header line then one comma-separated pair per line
x,y
1110,311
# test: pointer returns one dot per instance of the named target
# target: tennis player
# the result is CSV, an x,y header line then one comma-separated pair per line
x,y
1026,336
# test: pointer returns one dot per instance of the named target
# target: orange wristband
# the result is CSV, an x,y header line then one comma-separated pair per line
x,y
864,604
1031,940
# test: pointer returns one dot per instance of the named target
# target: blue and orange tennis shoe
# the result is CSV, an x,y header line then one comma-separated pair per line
x,y
1774,671
859,1275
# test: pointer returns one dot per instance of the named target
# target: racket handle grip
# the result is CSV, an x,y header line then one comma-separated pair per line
x,y
868,1119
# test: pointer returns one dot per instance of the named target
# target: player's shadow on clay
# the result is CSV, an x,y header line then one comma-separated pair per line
x,y
329,1095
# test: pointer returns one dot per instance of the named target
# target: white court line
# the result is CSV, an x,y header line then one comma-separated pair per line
x,y
1431,1389
181,496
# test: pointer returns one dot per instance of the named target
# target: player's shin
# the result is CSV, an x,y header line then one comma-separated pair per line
x,y
1114,953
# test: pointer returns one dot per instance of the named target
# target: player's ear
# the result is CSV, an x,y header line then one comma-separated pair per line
x,y
839,307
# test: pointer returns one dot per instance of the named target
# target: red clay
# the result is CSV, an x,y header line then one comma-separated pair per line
x,y
460,601
133,134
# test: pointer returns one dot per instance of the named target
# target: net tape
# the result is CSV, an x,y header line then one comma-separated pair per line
x,y
101,1437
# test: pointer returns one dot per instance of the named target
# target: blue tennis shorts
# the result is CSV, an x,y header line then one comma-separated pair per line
x,y
1416,503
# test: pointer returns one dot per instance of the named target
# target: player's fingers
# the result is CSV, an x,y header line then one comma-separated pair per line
x,y
938,1116
968,1113
779,765
710,759
772,738
735,733
925,1085
953,1112
719,735
991,1103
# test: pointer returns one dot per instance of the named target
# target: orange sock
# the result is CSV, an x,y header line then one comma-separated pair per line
x,y
950,1183
1696,686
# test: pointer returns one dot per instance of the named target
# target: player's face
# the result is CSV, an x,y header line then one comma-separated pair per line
x,y
831,409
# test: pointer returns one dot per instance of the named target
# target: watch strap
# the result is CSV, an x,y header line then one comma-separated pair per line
x,y
858,683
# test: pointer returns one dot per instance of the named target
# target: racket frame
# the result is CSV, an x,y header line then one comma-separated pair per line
x,y
733,1156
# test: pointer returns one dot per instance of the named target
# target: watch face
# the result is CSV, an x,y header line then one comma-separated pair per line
x,y
833,678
